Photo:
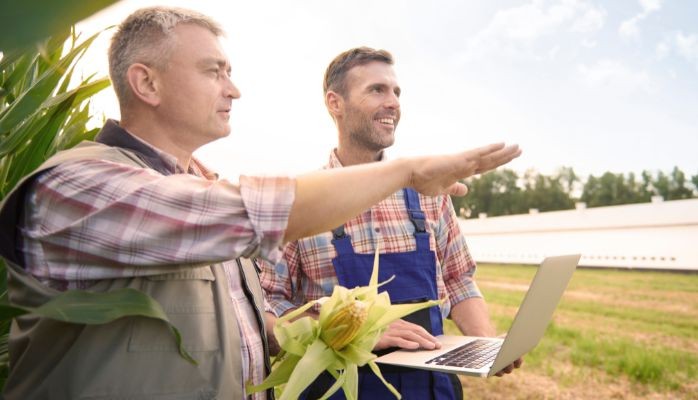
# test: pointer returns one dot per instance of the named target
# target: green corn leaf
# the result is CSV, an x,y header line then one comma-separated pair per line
x,y
23,23
35,126
34,153
18,74
81,93
377,371
51,50
90,308
317,358
22,135
31,99
339,383
351,382
398,311
278,376
357,355
9,58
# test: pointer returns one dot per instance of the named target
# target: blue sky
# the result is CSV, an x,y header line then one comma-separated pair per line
x,y
595,85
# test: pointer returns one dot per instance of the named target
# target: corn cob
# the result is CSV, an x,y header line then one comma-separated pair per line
x,y
351,315
350,324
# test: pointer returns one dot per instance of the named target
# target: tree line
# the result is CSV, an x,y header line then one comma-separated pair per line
x,y
504,192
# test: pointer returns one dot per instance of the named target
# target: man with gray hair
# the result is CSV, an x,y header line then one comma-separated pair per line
x,y
134,209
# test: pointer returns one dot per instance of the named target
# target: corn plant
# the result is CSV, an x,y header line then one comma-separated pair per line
x,y
44,108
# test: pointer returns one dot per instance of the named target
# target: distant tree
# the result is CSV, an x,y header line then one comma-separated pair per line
x,y
569,180
503,192
647,189
661,185
549,194
495,193
677,186
479,196
601,191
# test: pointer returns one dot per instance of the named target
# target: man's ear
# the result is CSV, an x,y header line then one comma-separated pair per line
x,y
335,103
142,80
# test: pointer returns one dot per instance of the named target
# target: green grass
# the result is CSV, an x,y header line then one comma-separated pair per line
x,y
612,325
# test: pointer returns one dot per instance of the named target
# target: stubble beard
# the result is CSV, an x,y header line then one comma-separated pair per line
x,y
364,135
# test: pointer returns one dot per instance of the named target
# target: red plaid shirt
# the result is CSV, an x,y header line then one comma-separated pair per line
x,y
94,219
306,272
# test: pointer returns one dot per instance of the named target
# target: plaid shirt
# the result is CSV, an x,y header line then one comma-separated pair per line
x,y
306,272
94,219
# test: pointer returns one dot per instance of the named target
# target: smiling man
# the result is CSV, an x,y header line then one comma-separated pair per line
x,y
135,209
421,243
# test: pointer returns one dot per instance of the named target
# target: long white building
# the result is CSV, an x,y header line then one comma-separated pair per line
x,y
657,235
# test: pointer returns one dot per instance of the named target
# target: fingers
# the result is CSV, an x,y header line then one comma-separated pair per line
x,y
496,158
407,335
510,368
457,189
440,174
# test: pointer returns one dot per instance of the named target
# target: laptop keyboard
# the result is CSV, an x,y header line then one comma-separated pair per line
x,y
475,354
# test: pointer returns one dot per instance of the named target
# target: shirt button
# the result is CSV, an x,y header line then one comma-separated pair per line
x,y
377,229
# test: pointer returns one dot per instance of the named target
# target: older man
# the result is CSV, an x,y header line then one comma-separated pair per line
x,y
135,209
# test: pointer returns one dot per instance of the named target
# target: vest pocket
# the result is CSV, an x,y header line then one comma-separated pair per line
x,y
187,296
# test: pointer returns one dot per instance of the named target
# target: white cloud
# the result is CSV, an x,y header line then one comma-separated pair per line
x,y
612,74
516,28
651,5
687,46
588,43
678,43
591,21
663,49
630,28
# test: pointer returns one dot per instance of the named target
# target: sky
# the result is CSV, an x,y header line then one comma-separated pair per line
x,y
593,85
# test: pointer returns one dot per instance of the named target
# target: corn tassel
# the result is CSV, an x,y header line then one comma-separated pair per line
x,y
342,339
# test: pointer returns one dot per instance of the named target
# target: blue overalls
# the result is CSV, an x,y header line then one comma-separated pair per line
x,y
415,281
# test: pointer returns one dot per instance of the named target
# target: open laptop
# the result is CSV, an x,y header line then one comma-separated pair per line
x,y
485,356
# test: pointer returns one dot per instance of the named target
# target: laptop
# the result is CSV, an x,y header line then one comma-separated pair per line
x,y
485,356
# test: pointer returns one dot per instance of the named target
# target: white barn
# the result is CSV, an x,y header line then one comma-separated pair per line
x,y
656,235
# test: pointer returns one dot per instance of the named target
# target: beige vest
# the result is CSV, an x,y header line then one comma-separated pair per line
x,y
133,357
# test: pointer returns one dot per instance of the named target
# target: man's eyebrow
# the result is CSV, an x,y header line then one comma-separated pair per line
x,y
206,62
381,85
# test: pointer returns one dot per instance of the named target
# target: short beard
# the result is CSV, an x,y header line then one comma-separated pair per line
x,y
363,134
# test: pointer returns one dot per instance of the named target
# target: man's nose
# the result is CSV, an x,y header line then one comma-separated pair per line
x,y
392,101
231,90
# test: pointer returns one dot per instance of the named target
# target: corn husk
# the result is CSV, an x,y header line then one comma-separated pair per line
x,y
350,323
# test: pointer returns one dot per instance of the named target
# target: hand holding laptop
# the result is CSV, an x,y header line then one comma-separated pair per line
x,y
511,367
488,356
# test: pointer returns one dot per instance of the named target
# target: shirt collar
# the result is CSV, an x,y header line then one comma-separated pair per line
x,y
335,163
114,135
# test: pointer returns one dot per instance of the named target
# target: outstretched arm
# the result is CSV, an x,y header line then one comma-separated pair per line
x,y
326,199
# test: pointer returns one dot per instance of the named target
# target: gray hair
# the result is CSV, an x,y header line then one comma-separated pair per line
x,y
146,37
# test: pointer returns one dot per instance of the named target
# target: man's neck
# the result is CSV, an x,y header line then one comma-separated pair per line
x,y
154,136
352,156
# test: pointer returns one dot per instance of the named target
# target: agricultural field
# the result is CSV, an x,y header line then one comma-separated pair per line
x,y
617,334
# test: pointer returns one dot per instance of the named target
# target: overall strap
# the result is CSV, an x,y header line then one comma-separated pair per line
x,y
414,211
342,241
417,217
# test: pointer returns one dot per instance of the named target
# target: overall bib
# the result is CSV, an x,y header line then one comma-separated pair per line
x,y
415,281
